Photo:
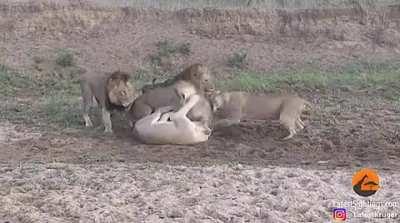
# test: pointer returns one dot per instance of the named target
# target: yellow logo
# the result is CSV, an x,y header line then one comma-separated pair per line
x,y
365,182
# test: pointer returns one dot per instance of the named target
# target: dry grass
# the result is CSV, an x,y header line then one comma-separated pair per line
x,y
265,4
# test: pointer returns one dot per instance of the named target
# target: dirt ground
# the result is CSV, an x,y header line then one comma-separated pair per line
x,y
243,173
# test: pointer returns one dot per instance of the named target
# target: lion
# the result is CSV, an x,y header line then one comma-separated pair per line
x,y
166,127
197,74
111,92
232,107
159,97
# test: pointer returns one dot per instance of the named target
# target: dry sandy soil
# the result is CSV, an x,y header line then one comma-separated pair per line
x,y
48,177
243,173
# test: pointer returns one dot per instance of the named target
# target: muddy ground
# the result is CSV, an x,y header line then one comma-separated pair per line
x,y
243,173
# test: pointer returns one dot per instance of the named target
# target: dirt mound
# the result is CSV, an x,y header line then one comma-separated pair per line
x,y
125,38
306,24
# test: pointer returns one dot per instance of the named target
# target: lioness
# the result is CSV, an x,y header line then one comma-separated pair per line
x,y
111,91
197,74
232,107
159,97
172,127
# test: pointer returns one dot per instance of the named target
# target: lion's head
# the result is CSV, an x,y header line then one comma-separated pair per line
x,y
120,91
200,76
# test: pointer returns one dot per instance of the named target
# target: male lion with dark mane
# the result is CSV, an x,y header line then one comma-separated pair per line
x,y
111,92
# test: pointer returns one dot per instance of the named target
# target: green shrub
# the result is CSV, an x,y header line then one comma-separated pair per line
x,y
65,58
167,48
238,60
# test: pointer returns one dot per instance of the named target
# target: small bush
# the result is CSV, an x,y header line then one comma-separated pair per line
x,y
65,58
167,49
185,49
238,60
155,60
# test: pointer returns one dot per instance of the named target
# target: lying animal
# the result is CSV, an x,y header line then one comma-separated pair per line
x,y
172,127
197,74
232,107
156,98
111,91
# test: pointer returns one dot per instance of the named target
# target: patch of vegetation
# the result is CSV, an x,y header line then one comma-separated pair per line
x,y
142,77
238,60
167,49
63,109
11,81
65,58
51,100
52,85
57,101
60,103
379,79
370,67
16,112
